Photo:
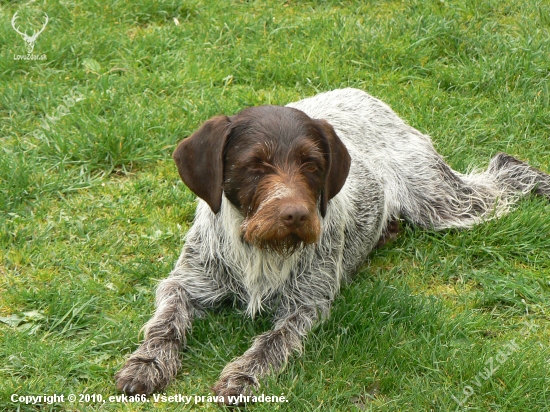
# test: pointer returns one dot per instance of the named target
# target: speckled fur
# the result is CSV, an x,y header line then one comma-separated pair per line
x,y
395,173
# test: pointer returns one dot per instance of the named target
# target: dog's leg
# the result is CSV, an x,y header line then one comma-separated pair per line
x,y
156,361
268,354
440,198
390,233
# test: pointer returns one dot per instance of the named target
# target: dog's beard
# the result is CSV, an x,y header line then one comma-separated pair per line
x,y
284,247
278,239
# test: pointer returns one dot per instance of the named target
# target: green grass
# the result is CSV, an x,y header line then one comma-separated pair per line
x,y
92,212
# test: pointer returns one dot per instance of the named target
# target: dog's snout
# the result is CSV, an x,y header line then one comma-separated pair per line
x,y
294,216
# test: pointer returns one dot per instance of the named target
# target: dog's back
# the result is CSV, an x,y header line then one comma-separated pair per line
x,y
417,183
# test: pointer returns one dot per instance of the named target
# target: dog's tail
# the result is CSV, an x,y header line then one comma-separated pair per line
x,y
452,199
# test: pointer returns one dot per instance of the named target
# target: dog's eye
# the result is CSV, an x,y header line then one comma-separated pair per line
x,y
260,165
257,167
310,167
257,170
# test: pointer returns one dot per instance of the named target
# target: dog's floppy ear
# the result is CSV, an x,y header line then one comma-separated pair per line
x,y
199,159
338,163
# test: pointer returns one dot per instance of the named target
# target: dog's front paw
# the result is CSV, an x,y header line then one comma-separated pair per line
x,y
235,388
144,374
140,375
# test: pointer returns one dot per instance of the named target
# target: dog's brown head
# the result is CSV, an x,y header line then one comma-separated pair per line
x,y
275,164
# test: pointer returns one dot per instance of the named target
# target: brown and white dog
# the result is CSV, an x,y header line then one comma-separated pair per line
x,y
291,201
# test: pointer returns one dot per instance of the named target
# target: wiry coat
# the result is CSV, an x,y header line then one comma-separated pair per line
x,y
395,172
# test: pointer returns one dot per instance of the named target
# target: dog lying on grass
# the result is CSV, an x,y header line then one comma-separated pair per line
x,y
292,200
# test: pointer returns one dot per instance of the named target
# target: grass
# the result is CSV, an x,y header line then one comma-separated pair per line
x,y
92,212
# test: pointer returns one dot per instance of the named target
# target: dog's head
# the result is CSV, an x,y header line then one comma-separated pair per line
x,y
275,164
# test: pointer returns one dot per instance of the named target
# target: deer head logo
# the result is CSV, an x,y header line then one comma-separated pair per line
x,y
30,40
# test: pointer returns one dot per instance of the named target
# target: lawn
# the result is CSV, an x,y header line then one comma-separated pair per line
x,y
93,214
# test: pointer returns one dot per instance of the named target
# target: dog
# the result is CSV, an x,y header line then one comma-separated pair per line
x,y
291,201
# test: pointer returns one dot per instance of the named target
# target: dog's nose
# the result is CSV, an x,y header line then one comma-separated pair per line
x,y
294,216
